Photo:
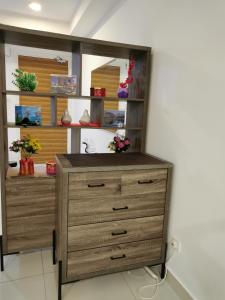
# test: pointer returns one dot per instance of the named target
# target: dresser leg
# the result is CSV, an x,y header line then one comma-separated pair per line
x,y
2,256
53,247
163,266
60,281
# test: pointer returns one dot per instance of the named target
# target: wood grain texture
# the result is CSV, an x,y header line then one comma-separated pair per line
x,y
144,182
92,184
30,212
88,263
25,233
111,208
100,235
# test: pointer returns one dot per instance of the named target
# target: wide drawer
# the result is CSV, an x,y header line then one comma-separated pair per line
x,y
109,233
101,209
93,184
88,263
144,182
29,232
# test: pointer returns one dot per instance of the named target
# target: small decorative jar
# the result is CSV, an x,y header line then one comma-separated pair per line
x,y
66,118
97,92
51,167
122,92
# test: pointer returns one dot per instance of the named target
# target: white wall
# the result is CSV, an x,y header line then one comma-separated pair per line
x,y
186,125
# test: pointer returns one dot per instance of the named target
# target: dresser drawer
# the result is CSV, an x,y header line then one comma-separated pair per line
x,y
144,182
113,258
109,233
94,184
110,208
29,232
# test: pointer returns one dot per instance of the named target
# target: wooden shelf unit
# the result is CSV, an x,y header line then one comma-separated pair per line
x,y
137,103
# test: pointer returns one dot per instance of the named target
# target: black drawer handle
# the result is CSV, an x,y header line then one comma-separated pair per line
x,y
118,257
120,208
145,181
119,232
96,185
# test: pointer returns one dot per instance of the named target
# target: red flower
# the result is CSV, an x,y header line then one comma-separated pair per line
x,y
127,142
121,145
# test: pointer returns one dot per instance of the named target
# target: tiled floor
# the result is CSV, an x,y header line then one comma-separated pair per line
x,y
31,276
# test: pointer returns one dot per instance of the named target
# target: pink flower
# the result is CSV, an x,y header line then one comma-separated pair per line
x,y
127,142
116,139
121,145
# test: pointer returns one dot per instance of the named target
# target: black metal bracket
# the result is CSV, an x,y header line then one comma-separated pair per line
x,y
53,247
2,255
163,265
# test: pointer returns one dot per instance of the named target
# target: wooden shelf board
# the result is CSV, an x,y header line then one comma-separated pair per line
x,y
61,95
13,125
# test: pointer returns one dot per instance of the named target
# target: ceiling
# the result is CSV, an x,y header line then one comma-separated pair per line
x,y
76,17
62,10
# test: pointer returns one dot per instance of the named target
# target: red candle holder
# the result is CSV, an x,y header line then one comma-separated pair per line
x,y
51,168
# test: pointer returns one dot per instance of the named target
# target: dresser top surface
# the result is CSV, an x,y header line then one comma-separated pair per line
x,y
109,161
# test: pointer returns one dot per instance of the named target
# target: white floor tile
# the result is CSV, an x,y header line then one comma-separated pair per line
x,y
138,278
21,265
47,261
31,288
109,287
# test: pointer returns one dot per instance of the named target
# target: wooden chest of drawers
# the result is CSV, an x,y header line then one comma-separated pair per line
x,y
111,216
30,212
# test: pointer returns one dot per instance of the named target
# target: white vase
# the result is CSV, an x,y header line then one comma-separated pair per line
x,y
85,118
66,118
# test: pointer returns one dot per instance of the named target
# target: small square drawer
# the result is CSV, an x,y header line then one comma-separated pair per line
x,y
144,182
84,185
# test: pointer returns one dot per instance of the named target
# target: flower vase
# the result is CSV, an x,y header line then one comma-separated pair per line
x,y
26,167
122,92
23,167
30,166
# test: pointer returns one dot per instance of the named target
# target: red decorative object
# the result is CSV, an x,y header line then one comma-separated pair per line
x,y
26,167
130,78
90,124
97,92
51,167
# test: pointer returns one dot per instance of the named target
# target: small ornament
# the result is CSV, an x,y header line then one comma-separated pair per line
x,y
85,119
66,118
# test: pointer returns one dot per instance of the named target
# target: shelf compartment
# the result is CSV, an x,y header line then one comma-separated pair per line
x,y
61,95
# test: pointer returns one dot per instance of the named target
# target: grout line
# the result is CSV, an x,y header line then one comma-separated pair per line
x,y
132,292
43,274
25,277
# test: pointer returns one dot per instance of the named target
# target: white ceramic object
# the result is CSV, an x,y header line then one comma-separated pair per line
x,y
66,118
85,118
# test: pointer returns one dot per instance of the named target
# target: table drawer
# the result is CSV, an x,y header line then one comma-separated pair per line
x,y
110,208
29,232
88,263
94,184
109,233
144,182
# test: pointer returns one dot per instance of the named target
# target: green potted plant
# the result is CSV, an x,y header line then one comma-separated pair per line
x,y
25,81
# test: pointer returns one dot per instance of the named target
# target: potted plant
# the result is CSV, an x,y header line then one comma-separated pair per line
x,y
25,81
119,144
27,146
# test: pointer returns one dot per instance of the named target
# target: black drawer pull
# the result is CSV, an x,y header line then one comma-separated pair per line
x,y
96,185
145,181
119,232
118,257
120,208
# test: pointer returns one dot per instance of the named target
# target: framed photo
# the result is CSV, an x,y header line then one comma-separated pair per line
x,y
64,84
114,118
28,115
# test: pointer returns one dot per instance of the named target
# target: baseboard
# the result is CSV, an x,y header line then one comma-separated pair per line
x,y
178,287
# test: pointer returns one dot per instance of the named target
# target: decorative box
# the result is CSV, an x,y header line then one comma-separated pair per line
x,y
64,84
114,118
28,115
97,92
51,167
